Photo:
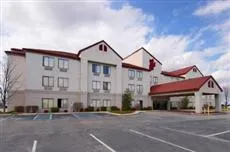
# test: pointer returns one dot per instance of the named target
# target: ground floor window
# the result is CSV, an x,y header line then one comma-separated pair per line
x,y
107,103
95,103
48,103
63,103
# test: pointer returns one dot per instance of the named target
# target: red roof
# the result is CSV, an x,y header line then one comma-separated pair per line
x,y
182,71
15,51
145,51
131,66
170,74
181,86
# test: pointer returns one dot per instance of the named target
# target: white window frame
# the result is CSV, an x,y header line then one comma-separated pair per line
x,y
63,63
139,75
96,85
131,74
155,80
63,82
131,87
98,68
140,89
50,81
48,61
108,85
50,102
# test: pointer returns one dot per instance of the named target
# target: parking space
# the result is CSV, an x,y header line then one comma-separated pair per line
x,y
146,132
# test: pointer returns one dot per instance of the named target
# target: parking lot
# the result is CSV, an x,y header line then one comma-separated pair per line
x,y
91,132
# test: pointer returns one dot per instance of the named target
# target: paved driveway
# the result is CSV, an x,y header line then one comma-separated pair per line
x,y
145,132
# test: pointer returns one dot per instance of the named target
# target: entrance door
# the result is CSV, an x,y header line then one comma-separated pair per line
x,y
160,105
141,104
59,103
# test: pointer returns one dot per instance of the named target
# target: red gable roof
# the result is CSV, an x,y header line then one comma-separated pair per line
x,y
182,71
145,51
131,66
170,74
22,51
80,51
181,86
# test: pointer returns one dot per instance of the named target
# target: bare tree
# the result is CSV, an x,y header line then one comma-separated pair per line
x,y
226,94
9,81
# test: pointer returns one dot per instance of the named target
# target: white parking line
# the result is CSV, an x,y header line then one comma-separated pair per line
x,y
50,116
193,134
112,150
219,133
76,116
161,140
35,117
34,146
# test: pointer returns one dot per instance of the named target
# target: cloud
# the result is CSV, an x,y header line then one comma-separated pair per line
x,y
213,7
71,26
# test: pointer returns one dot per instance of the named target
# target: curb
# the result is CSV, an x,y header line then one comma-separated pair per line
x,y
127,114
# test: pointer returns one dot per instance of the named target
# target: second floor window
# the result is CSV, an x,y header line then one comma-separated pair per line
x,y
139,75
63,64
63,82
131,74
48,61
106,70
139,88
155,80
96,85
131,87
47,81
106,85
96,68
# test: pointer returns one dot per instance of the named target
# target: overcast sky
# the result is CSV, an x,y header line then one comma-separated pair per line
x,y
179,33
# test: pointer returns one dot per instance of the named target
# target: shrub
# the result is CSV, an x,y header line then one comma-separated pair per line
x,y
126,100
32,109
65,110
114,108
89,109
19,109
46,111
54,109
211,107
103,108
81,110
191,107
184,102
133,109
98,109
147,108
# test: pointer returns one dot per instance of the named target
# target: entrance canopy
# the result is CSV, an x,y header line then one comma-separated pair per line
x,y
191,87
207,84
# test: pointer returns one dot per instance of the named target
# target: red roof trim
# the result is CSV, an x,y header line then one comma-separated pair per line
x,y
131,66
145,51
15,53
183,71
53,53
102,41
170,75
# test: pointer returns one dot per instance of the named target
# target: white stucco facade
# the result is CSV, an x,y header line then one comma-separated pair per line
x,y
95,76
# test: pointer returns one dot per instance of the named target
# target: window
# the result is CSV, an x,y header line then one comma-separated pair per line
x,y
48,103
47,81
63,82
95,103
96,85
64,103
139,75
63,64
194,70
96,68
155,80
48,61
106,102
139,89
103,47
106,70
131,87
131,74
106,85
210,84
